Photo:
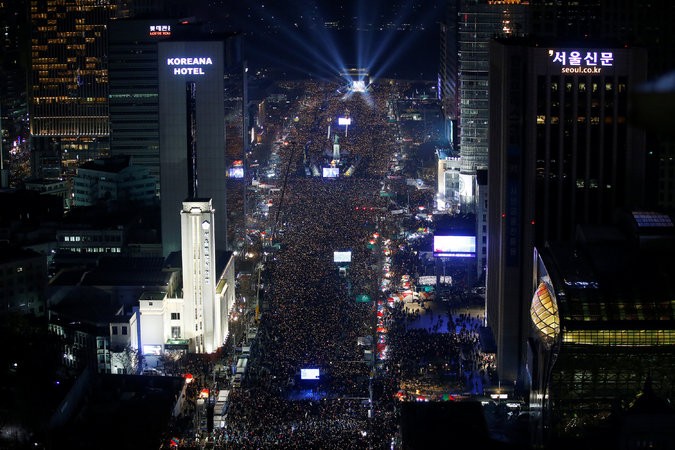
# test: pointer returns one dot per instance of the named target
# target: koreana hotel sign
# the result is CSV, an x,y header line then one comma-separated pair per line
x,y
188,66
573,61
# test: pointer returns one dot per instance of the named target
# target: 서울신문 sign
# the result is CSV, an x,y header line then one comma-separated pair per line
x,y
582,61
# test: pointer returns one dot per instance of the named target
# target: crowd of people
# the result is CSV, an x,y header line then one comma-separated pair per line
x,y
311,317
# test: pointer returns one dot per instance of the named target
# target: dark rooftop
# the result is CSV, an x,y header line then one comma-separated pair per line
x,y
111,165
87,304
121,411
613,281
436,425
10,253
126,277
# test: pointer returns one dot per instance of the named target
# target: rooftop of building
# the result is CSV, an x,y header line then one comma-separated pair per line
x,y
558,42
610,278
113,164
459,424
116,271
154,295
140,405
126,277
10,253
87,307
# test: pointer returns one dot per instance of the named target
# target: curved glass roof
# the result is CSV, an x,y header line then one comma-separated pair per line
x,y
544,313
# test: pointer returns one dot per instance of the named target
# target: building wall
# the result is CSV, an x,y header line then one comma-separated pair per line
x,y
152,333
91,241
550,171
209,133
199,274
22,283
134,89
130,184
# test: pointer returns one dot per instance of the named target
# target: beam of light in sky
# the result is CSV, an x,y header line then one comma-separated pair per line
x,y
377,37
303,46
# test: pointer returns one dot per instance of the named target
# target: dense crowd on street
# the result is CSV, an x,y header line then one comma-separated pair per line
x,y
312,320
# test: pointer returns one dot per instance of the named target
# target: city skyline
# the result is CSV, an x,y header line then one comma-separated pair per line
x,y
314,222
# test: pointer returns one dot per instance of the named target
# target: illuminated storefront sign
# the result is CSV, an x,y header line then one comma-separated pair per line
x,y
197,65
160,30
582,61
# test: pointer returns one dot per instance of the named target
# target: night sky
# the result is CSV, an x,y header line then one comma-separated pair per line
x,y
396,38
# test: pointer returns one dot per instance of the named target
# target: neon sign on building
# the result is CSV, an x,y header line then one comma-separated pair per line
x,y
160,30
184,63
582,61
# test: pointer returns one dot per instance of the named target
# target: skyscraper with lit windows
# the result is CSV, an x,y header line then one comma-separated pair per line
x,y
68,82
562,154
478,22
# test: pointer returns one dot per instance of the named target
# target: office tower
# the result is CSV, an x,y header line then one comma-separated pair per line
x,y
478,22
134,89
567,19
448,70
113,180
68,81
638,23
562,154
191,132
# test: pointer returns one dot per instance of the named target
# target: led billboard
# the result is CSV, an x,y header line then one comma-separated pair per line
x,y
235,172
331,172
359,86
309,374
455,246
342,256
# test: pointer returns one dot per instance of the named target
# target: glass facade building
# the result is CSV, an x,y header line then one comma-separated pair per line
x,y
602,323
478,22
68,78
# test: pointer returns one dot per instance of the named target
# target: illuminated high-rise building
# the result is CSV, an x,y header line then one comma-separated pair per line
x,y
204,327
562,154
68,82
191,133
478,22
448,70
